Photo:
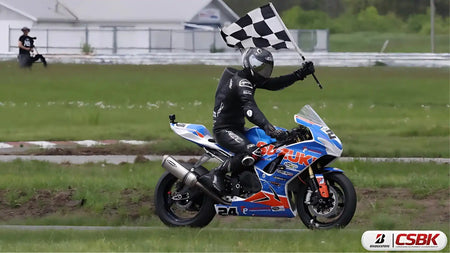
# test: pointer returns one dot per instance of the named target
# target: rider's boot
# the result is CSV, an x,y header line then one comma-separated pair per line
x,y
218,179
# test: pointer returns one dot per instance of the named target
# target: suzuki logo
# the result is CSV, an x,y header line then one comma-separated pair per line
x,y
289,154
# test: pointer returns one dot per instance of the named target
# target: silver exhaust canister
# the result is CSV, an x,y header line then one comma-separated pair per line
x,y
175,168
190,179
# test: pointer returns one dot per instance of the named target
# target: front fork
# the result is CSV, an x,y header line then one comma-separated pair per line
x,y
318,183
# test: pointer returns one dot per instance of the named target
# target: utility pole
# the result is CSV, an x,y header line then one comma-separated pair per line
x,y
432,11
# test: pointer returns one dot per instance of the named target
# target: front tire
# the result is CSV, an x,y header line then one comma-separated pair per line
x,y
336,212
176,205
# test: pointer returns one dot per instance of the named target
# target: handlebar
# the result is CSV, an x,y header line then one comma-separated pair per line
x,y
296,134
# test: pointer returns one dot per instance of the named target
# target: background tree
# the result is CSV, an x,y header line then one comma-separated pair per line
x,y
334,8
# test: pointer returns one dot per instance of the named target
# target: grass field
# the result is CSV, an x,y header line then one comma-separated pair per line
x,y
398,42
379,111
390,196
182,240
123,193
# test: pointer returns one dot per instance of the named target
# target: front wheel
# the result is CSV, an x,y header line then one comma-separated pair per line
x,y
178,205
333,212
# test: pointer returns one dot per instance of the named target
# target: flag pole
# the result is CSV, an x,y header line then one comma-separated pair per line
x,y
297,48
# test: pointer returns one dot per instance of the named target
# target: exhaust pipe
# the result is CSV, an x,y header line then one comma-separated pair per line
x,y
175,168
190,179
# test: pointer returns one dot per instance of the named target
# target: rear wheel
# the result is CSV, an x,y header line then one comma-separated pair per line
x,y
333,212
178,205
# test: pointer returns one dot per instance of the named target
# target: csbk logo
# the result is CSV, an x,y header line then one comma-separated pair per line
x,y
413,240
417,239
289,154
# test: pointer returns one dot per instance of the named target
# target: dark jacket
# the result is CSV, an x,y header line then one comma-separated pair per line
x,y
235,101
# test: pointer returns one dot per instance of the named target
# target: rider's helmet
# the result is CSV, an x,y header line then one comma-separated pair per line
x,y
258,61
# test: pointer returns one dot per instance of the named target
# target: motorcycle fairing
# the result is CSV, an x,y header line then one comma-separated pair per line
x,y
197,134
262,204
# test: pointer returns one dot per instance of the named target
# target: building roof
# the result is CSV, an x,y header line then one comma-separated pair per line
x,y
36,10
109,10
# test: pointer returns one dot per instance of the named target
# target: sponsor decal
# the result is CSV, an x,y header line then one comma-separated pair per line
x,y
246,84
282,172
246,210
235,137
279,178
296,157
278,208
291,166
275,183
407,240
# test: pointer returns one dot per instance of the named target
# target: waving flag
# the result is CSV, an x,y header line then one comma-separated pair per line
x,y
261,27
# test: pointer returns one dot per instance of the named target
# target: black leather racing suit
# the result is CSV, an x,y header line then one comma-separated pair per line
x,y
234,101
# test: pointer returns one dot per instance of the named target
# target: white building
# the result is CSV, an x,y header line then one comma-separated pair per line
x,y
109,26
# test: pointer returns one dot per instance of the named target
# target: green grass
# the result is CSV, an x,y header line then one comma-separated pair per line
x,y
420,178
398,42
379,111
103,187
390,196
186,240
99,184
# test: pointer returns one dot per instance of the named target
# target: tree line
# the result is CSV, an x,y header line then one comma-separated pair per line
x,y
344,16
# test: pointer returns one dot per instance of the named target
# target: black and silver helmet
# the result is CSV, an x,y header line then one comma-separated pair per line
x,y
259,61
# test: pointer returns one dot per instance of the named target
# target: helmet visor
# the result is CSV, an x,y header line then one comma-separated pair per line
x,y
264,70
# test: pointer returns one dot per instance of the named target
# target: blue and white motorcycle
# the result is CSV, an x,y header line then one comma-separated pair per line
x,y
290,179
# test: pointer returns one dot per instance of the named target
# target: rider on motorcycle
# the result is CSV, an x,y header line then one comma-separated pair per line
x,y
234,100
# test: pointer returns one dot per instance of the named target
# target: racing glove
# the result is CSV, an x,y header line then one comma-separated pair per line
x,y
306,69
276,133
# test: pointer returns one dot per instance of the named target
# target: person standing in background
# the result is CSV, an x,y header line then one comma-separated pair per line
x,y
26,45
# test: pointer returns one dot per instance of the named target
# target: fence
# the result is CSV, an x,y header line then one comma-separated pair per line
x,y
119,40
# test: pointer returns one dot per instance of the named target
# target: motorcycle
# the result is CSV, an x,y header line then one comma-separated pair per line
x,y
291,178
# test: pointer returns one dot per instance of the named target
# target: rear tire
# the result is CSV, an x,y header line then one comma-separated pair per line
x,y
338,212
196,209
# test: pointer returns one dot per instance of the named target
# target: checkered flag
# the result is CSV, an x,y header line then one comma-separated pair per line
x,y
261,27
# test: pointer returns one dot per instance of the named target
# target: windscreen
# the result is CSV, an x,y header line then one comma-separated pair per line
x,y
307,112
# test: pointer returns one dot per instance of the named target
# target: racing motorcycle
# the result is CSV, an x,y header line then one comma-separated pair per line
x,y
291,178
